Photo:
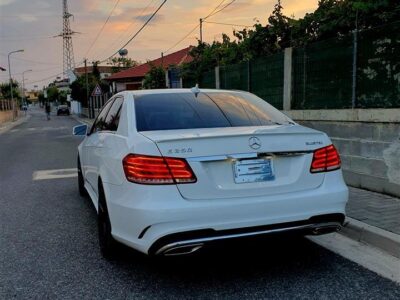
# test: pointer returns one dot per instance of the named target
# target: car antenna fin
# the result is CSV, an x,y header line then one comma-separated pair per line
x,y
195,90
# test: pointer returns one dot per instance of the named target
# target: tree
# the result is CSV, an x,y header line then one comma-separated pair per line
x,y
41,98
332,19
78,88
52,93
6,91
120,62
95,70
155,78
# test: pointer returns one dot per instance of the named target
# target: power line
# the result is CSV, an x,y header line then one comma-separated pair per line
x,y
43,79
21,38
135,21
221,9
140,29
228,24
184,38
214,9
102,28
213,12
30,61
52,76
34,71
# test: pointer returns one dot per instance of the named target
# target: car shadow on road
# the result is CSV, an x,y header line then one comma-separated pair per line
x,y
232,259
247,256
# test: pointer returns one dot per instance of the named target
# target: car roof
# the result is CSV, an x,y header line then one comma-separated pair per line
x,y
176,91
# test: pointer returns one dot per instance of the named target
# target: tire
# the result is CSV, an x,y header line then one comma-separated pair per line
x,y
81,181
108,245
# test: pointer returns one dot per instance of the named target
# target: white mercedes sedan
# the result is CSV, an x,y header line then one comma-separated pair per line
x,y
171,171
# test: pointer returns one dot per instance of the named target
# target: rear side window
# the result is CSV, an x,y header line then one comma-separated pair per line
x,y
216,109
100,123
112,119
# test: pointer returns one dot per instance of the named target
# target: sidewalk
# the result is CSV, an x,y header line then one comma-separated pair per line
x,y
374,219
83,119
5,126
374,209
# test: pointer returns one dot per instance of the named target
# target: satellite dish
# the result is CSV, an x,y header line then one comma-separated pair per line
x,y
71,76
123,52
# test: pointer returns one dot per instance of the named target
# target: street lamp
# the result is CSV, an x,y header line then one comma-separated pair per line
x,y
11,88
23,86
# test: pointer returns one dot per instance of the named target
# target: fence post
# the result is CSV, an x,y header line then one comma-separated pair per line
x,y
354,83
287,79
248,76
217,82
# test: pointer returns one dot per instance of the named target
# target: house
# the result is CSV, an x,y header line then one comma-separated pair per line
x,y
32,95
131,79
105,71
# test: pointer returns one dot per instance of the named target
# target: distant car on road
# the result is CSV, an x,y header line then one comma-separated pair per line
x,y
63,110
172,171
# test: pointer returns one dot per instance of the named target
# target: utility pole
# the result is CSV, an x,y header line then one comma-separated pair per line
x,y
201,30
354,71
11,84
87,87
66,34
23,88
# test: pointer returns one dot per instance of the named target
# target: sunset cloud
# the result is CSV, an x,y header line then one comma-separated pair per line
x,y
174,21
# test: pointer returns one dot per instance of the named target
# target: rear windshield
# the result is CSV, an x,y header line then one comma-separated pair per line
x,y
216,109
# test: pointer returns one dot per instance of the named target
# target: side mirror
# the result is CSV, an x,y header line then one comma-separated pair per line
x,y
80,129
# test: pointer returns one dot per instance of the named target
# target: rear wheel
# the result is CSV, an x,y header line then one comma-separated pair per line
x,y
108,245
81,181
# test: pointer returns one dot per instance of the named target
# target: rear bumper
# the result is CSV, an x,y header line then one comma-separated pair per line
x,y
149,218
189,242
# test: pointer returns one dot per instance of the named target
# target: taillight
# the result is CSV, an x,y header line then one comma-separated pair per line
x,y
325,159
147,169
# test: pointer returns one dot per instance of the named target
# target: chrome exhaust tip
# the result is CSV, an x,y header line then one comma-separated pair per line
x,y
325,229
179,250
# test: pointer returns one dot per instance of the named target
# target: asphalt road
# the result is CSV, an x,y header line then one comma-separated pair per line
x,y
48,243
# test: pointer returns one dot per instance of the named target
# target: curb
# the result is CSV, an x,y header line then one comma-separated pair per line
x,y
82,120
9,125
371,235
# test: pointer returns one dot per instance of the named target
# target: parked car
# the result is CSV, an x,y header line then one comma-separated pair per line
x,y
63,110
171,171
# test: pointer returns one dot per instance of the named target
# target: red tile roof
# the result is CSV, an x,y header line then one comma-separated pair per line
x,y
102,69
176,58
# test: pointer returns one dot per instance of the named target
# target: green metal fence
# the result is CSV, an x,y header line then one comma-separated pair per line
x,y
188,82
322,75
378,67
235,77
266,79
361,70
262,76
208,80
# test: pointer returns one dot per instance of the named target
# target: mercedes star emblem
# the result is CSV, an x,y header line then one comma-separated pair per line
x,y
254,143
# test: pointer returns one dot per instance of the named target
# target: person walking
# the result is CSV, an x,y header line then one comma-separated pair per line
x,y
48,110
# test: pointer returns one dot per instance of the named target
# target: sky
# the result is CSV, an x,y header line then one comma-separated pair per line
x,y
32,24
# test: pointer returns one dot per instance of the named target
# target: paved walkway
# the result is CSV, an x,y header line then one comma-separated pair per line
x,y
375,209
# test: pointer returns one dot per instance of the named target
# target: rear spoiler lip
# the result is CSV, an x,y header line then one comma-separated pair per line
x,y
185,138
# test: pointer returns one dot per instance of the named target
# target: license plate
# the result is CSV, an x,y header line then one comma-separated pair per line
x,y
253,170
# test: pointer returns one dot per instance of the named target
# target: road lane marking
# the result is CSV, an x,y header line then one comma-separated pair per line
x,y
54,174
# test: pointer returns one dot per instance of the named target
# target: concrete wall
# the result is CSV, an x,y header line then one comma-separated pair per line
x,y
5,116
368,141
